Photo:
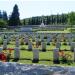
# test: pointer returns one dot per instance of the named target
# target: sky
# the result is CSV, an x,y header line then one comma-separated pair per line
x,y
29,8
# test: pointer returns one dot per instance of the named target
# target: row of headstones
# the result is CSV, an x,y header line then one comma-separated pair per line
x,y
36,54
42,35
49,37
58,44
55,55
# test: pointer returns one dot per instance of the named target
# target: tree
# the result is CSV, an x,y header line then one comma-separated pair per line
x,y
4,16
71,19
0,15
3,23
14,19
24,22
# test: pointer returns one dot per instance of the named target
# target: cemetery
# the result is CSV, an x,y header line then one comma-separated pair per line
x,y
40,48
38,41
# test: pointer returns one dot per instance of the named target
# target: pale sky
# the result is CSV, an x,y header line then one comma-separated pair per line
x,y
29,8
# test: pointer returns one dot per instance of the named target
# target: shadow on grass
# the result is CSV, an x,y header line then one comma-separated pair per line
x,y
15,60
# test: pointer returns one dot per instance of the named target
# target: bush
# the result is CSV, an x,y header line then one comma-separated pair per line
x,y
39,42
48,43
45,37
73,40
33,40
3,23
64,43
64,59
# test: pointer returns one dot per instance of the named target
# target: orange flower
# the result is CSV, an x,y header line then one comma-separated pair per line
x,y
61,53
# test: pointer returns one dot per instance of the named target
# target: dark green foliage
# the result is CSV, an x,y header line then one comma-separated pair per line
x,y
3,23
39,43
51,19
71,18
64,43
14,18
64,59
45,37
48,43
0,15
4,16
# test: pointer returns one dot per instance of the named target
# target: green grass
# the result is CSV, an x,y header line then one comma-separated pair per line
x,y
48,55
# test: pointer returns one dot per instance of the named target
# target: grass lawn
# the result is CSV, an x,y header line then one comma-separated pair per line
x,y
48,55
65,31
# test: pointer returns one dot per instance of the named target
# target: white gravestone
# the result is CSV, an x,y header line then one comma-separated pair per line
x,y
5,44
26,40
42,37
37,40
56,55
70,40
16,53
74,54
17,42
43,46
29,46
48,40
72,46
35,55
58,44
1,49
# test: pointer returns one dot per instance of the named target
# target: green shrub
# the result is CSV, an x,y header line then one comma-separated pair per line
x,y
64,43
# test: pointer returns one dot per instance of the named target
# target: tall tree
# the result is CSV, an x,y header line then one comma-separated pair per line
x,y
14,19
24,22
0,15
4,16
71,19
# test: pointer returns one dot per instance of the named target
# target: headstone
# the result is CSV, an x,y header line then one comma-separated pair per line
x,y
56,56
16,53
72,46
35,56
26,40
48,40
43,46
1,49
33,38
5,44
70,40
37,40
29,46
8,38
42,37
59,39
37,35
74,54
58,44
17,42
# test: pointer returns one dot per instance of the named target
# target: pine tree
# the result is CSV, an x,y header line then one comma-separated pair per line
x,y
4,16
0,15
14,18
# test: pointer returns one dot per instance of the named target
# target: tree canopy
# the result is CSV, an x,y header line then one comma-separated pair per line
x,y
14,19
